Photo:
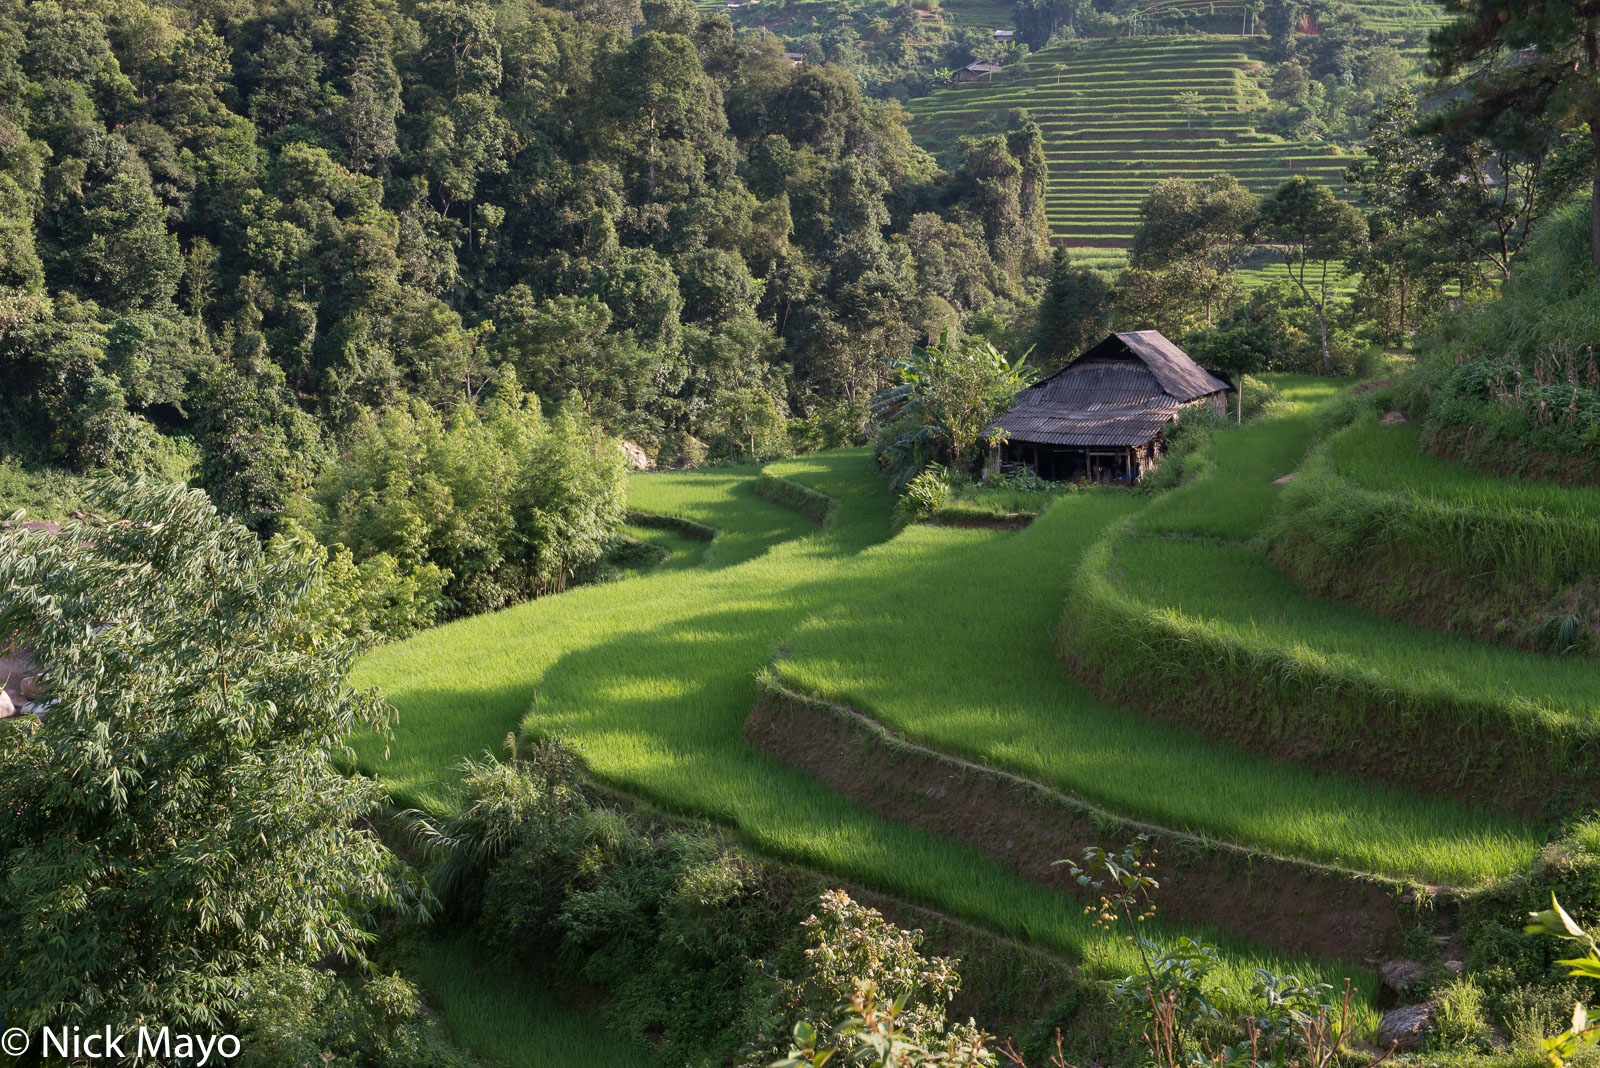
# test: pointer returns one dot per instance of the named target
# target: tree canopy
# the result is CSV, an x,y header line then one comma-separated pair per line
x,y
173,822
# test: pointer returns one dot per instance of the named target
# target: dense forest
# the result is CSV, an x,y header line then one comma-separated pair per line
x,y
238,234
322,323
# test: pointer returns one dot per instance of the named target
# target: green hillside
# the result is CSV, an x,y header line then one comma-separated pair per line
x,y
1111,116
1396,16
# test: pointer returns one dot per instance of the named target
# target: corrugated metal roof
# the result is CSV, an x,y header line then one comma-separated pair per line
x,y
1053,424
1120,392
1090,385
1180,376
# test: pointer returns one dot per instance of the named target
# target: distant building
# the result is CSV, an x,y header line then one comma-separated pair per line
x,y
795,59
1104,416
1004,36
975,71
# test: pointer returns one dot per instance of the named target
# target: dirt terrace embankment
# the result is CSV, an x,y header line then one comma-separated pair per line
x,y
1290,905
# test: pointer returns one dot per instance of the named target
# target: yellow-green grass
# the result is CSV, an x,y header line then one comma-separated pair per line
x,y
1177,594
1390,458
1371,491
1341,283
1374,521
1234,498
959,657
653,677
681,552
1240,596
513,1019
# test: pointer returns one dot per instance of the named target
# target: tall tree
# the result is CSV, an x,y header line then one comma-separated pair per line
x,y
363,65
1197,233
1392,177
175,821
1283,18
1313,230
1074,311
1522,66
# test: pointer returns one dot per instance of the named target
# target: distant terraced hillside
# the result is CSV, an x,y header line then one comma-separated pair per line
x,y
1113,125
1396,16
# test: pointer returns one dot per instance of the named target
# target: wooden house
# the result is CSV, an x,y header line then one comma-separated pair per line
x,y
1103,416
973,72
1004,37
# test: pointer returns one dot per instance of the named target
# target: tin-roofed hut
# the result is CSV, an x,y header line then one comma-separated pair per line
x,y
1104,415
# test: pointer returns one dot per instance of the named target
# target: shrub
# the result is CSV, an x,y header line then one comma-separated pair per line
x,y
1458,1018
1186,458
503,502
850,946
925,494
369,602
1521,368
293,1014
193,708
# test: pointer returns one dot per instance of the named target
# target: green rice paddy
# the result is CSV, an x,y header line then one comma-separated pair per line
x,y
1241,596
961,658
1236,496
1109,109
948,635
1389,458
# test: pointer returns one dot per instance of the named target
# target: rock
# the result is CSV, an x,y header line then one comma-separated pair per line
x,y
1393,418
7,708
1286,479
636,457
1400,975
1405,1027
28,687
1455,967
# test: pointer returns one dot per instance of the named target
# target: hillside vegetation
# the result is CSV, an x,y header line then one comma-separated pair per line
x,y
1300,729
1114,124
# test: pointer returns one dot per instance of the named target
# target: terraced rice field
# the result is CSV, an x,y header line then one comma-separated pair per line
x,y
1388,458
946,634
955,638
1113,125
1396,16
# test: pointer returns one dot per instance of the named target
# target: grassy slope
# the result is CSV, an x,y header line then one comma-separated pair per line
x,y
512,1019
1240,592
653,677
1237,497
961,658
1387,458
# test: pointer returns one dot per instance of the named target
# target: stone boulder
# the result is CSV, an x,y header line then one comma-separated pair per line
x,y
1400,975
1405,1027
7,707
637,458
1286,479
1393,418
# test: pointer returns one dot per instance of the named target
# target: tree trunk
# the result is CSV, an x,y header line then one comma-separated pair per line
x,y
1592,52
1594,196
1241,398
